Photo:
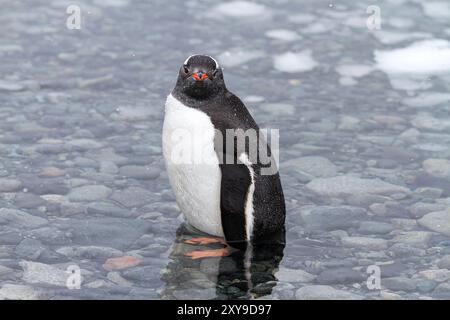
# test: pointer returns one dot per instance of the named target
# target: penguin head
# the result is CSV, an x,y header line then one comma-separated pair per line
x,y
200,76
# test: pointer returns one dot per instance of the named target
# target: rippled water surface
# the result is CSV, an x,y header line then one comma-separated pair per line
x,y
364,147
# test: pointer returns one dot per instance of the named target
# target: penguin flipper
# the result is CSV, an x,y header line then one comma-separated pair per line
x,y
235,183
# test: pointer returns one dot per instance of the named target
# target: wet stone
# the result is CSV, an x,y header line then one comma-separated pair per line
x,y
308,168
133,197
414,238
443,288
294,275
42,186
70,209
419,209
330,218
340,276
393,269
145,274
20,219
444,262
89,252
438,275
9,185
28,200
399,284
428,192
438,221
196,294
108,209
364,243
437,167
89,193
50,235
425,286
108,167
106,232
51,172
373,227
348,185
20,292
140,172
35,272
10,237
402,250
324,292
5,272
30,249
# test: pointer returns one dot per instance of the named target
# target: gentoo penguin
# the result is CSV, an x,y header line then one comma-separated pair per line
x,y
219,186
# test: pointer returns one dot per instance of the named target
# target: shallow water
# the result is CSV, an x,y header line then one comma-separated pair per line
x,y
364,151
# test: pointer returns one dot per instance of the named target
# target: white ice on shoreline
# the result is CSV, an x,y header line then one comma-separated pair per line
x,y
393,37
241,9
283,35
236,57
293,62
111,3
427,100
349,72
422,57
436,9
409,82
354,70
302,18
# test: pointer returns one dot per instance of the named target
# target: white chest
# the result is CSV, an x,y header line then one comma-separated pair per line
x,y
192,165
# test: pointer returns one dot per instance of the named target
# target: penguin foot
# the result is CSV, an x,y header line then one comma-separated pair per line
x,y
209,253
205,240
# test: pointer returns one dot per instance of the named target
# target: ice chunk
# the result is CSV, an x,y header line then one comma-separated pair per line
x,y
436,9
354,70
278,108
283,35
111,3
319,27
423,57
236,57
355,21
254,99
241,9
293,62
427,100
428,122
302,18
391,37
401,23
409,82
347,81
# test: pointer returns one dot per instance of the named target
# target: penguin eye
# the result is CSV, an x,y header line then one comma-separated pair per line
x,y
186,69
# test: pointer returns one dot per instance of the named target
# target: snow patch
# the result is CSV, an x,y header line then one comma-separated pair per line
x,y
436,9
111,3
241,9
283,35
423,57
293,62
236,57
354,70
392,37
428,99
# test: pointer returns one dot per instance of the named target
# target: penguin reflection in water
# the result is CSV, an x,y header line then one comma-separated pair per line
x,y
226,192
243,274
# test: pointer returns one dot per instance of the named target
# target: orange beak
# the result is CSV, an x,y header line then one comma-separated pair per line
x,y
200,76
